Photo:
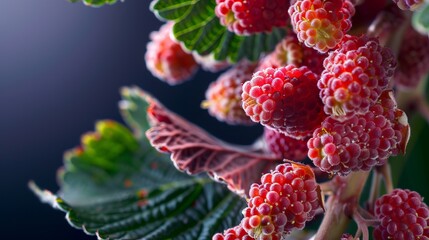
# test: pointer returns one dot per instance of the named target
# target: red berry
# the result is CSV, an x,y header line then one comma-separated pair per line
x,y
321,24
355,75
245,17
285,207
234,233
284,146
413,59
358,143
166,59
291,51
285,99
223,97
402,215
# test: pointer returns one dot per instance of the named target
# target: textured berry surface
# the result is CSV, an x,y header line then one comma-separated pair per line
x,y
245,17
223,97
358,143
321,24
291,51
284,146
285,200
285,99
409,4
355,75
166,59
235,233
402,215
413,59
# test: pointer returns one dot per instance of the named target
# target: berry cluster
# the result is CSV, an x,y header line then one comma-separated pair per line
x,y
284,146
166,59
285,99
402,215
358,143
285,200
413,59
355,75
234,233
321,24
291,51
245,17
223,97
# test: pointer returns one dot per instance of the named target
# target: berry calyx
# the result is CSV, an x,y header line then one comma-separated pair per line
x,y
403,215
284,146
223,96
321,24
285,99
355,75
285,200
166,59
248,17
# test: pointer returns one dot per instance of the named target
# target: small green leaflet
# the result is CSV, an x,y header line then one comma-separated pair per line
x,y
116,186
198,29
95,3
420,19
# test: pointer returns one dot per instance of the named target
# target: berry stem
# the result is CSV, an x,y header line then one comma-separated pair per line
x,y
363,225
387,177
347,194
375,189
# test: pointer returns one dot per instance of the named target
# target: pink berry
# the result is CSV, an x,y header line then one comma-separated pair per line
x,y
290,201
244,17
355,75
284,146
166,59
285,99
223,97
321,24
402,215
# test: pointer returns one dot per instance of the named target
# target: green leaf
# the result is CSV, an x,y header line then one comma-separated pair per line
x,y
420,19
118,187
95,3
199,29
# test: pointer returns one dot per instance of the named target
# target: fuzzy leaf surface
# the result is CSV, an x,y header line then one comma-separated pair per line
x,y
194,151
117,186
198,29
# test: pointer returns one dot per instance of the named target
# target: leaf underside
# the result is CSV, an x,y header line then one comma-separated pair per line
x,y
198,29
95,3
115,185
194,151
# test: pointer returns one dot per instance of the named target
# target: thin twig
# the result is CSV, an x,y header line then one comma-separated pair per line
x,y
375,189
387,177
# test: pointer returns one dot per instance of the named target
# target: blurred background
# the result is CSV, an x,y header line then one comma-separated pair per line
x,y
61,68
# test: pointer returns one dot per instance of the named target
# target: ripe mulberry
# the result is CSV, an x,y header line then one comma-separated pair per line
x,y
402,215
285,200
358,143
248,17
355,75
223,97
166,59
291,51
321,24
413,59
284,146
285,99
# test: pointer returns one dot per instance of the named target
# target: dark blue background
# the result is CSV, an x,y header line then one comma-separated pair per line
x,y
61,67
